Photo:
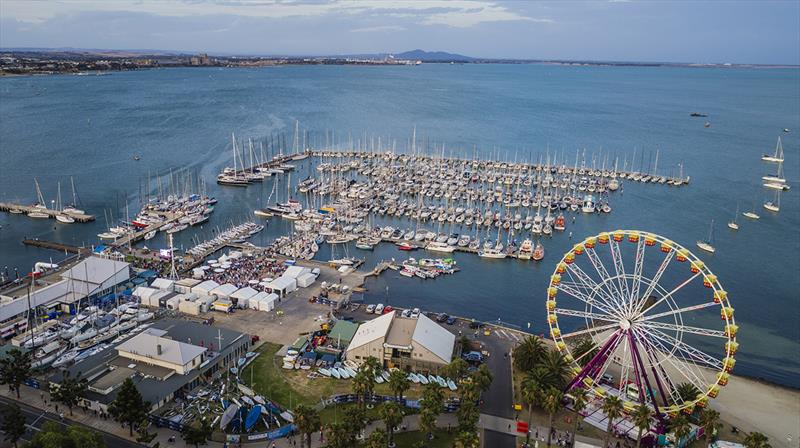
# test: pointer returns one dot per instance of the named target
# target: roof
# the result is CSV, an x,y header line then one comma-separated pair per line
x,y
245,293
188,282
343,331
95,270
224,290
434,337
400,332
172,351
162,283
281,283
371,330
206,286
143,292
295,271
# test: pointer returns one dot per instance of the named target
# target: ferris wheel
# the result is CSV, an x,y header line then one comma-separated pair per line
x,y
641,317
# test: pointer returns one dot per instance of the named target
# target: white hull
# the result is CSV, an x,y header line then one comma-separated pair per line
x,y
65,219
706,247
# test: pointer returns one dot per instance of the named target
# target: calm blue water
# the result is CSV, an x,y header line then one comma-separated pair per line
x,y
89,127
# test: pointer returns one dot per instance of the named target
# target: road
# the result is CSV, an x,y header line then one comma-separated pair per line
x,y
36,418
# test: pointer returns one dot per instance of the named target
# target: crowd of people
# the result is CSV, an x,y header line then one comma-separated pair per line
x,y
245,268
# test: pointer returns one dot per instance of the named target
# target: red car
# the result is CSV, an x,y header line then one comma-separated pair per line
x,y
387,309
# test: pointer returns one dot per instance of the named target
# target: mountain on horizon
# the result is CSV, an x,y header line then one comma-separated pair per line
x,y
429,56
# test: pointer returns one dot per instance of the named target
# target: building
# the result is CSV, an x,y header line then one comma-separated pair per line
x,y
91,278
169,359
417,344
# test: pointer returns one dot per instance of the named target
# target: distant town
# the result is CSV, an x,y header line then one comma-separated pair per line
x,y
77,61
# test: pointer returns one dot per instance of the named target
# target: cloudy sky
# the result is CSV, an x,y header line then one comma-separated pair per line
x,y
630,30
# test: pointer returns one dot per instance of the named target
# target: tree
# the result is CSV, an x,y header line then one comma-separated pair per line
x,y
552,403
482,378
579,399
612,407
398,383
710,422
70,390
529,353
307,421
557,369
641,419
680,427
467,439
340,435
52,435
468,412
197,435
584,349
129,407
362,384
15,368
532,387
756,440
13,425
391,413
688,392
356,420
456,369
377,439
430,407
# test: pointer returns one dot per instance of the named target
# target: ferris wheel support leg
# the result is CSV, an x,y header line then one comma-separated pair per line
x,y
638,361
651,356
594,364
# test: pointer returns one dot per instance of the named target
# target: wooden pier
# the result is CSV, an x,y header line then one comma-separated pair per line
x,y
25,209
61,247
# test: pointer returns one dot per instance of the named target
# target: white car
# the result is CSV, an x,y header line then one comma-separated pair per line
x,y
415,313
406,313
379,308
371,308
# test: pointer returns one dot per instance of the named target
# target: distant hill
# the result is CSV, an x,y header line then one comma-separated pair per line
x,y
430,56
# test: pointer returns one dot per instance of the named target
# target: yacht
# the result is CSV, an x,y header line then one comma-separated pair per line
x,y
525,250
777,156
708,244
538,252
492,253
436,246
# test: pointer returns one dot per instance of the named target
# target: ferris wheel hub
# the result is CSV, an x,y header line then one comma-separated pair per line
x,y
625,324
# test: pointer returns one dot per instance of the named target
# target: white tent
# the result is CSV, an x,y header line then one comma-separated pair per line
x,y
295,271
185,285
244,294
154,300
144,293
163,283
204,289
198,273
306,280
253,302
282,285
268,303
192,307
223,291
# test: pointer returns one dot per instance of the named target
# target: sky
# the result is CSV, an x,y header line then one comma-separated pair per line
x,y
764,32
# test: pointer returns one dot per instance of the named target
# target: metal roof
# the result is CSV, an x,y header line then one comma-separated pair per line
x,y
372,330
174,352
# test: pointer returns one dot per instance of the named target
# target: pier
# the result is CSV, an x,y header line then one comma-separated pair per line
x,y
61,247
25,209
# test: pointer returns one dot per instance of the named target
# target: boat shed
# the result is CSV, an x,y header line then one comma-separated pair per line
x,y
282,285
342,332
204,289
224,291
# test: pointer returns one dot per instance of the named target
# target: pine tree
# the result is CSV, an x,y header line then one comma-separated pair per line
x,y
15,369
129,408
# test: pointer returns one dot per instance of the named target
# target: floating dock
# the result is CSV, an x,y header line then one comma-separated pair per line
x,y
25,209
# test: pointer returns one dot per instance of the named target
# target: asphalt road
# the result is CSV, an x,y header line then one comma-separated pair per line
x,y
35,418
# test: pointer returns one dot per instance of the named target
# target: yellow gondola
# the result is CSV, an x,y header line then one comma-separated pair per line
x,y
722,378
561,346
552,318
561,268
555,279
590,242
555,332
633,237
619,236
696,266
551,292
570,258
731,329
578,249
709,280
713,391
666,247
602,238
731,347
729,363
649,241
726,313
551,305
682,255
720,296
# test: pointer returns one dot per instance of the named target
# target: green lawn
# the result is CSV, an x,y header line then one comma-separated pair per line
x,y
441,439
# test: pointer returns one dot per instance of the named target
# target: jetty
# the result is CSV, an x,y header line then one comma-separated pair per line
x,y
61,247
19,209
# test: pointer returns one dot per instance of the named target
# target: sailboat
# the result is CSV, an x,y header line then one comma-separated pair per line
x,y
234,179
62,217
39,205
752,213
707,245
775,204
733,224
777,177
72,208
778,156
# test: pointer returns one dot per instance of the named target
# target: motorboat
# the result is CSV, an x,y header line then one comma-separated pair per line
x,y
538,252
492,253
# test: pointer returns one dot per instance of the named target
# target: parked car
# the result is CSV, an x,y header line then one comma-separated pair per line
x,y
406,313
388,309
472,356
475,325
415,313
450,320
442,317
371,308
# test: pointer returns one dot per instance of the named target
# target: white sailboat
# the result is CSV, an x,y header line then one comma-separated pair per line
x,y
778,156
733,224
752,213
72,208
62,217
775,204
777,177
708,244
39,205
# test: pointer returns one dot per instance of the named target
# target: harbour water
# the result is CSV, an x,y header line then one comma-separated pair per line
x,y
90,128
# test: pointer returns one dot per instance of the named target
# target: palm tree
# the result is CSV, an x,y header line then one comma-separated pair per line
x,y
528,354
431,406
680,427
551,403
467,439
482,378
456,369
641,418
688,392
372,366
612,407
362,385
579,398
307,421
757,440
557,369
398,383
377,439
584,349
532,387
709,420
392,415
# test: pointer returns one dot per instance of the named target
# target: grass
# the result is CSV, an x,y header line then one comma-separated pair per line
x,y
441,439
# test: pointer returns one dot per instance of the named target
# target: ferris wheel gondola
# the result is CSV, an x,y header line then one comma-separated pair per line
x,y
647,322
